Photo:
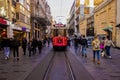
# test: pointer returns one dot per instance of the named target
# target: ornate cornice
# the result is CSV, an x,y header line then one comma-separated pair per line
x,y
103,4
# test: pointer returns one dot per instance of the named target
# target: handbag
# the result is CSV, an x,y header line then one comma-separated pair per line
x,y
102,46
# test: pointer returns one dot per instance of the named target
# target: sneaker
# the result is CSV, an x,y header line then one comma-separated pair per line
x,y
85,55
17,59
6,58
82,54
109,57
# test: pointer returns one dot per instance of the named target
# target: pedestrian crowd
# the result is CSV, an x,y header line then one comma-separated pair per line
x,y
100,47
11,45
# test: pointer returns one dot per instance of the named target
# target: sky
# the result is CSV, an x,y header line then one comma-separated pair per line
x,y
60,9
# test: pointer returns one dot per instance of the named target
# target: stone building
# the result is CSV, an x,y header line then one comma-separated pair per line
x,y
105,19
40,18
71,21
83,26
118,25
17,15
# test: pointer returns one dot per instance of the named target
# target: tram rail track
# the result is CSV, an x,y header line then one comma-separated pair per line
x,y
50,65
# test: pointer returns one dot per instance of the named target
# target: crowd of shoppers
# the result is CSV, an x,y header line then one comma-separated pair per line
x,y
100,47
12,45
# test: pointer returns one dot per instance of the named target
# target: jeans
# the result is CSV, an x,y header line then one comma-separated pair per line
x,y
16,51
6,51
84,51
76,48
107,48
96,52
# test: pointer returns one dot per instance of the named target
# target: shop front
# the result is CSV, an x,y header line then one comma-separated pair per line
x,y
109,30
19,32
3,29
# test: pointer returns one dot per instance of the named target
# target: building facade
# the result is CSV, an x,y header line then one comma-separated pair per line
x,y
83,26
118,25
88,7
5,18
71,21
105,19
90,26
21,28
40,18
15,18
84,9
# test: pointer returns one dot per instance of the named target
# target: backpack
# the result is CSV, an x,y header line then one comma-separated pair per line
x,y
96,45
84,42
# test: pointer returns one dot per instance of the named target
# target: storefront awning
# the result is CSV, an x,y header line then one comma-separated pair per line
x,y
108,28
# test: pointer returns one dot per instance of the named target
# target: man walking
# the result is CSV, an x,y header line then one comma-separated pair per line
x,y
76,44
24,45
16,44
6,45
84,46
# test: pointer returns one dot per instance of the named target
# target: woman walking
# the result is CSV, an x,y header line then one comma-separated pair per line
x,y
96,49
108,44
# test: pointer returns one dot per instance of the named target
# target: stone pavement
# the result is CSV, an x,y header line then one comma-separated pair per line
x,y
109,69
19,70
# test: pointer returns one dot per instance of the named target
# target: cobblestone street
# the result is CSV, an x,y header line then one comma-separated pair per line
x,y
19,70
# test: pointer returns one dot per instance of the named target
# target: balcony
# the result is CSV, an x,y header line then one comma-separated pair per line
x,y
14,3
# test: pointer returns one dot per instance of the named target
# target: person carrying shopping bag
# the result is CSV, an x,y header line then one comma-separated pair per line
x,y
102,43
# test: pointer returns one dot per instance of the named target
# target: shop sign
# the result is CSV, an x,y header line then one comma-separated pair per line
x,y
28,30
23,29
2,21
16,27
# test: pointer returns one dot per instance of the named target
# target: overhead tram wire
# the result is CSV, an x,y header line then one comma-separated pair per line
x,y
61,9
52,5
68,2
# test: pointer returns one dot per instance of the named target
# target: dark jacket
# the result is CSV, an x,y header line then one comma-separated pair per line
x,y
24,43
6,42
40,44
76,42
15,43
84,42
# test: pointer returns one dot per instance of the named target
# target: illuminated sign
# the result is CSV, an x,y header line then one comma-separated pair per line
x,y
59,25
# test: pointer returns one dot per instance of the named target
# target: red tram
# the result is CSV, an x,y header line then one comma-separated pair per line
x,y
59,42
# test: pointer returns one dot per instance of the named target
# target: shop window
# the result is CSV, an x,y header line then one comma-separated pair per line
x,y
2,9
21,17
86,11
17,15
